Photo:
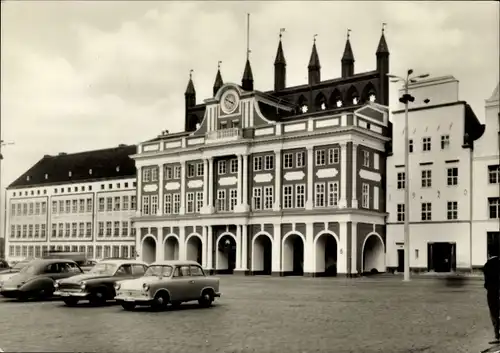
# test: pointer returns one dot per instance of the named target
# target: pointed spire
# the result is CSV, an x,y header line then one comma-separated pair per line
x,y
382,44
314,60
190,87
247,80
348,55
218,80
280,67
280,56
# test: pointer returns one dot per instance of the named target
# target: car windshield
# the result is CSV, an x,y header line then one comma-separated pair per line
x,y
159,270
104,269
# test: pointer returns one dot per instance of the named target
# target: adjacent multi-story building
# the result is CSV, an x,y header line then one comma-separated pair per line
x,y
486,195
74,202
288,181
443,132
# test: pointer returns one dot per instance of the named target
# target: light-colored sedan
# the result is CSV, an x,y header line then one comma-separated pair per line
x,y
168,282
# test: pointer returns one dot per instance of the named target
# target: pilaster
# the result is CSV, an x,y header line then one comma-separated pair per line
x,y
354,249
276,265
210,250
182,243
204,247
310,167
139,198
242,205
183,188
277,182
343,175
309,253
160,249
161,202
244,247
245,180
343,251
208,197
354,203
238,247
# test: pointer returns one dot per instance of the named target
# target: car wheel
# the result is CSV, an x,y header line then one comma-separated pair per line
x,y
128,306
70,301
207,297
98,297
160,301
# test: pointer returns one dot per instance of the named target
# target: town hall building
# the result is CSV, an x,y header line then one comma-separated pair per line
x,y
288,181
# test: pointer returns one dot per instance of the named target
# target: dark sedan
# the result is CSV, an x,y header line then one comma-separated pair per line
x,y
37,279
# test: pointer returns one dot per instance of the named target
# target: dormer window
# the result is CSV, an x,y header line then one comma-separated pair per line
x,y
46,176
339,103
304,108
372,97
90,171
69,173
323,106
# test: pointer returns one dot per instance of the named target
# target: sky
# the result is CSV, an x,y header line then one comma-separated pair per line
x,y
82,75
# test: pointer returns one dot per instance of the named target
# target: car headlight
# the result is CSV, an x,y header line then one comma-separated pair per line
x,y
117,286
82,285
56,284
145,286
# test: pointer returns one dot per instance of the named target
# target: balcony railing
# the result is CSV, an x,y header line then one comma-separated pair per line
x,y
233,133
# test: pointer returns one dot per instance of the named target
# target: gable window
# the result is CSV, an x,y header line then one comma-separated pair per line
x,y
333,193
200,169
177,203
257,198
288,161
426,178
221,167
199,200
268,197
366,159
233,199
269,162
168,204
426,144
146,175
221,200
177,172
299,159
169,173
410,145
445,141
333,156
233,165
320,157
287,196
494,174
257,163
452,176
494,207
190,171
300,196
319,195
401,212
190,202
426,211
452,210
365,197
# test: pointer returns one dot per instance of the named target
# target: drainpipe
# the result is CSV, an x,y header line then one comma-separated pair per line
x,y
471,183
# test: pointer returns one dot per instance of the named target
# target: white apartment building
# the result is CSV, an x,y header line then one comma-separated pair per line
x,y
442,134
486,191
74,202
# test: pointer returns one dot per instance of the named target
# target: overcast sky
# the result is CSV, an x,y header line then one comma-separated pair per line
x,y
88,75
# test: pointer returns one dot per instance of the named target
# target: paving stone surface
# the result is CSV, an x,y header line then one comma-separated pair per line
x,y
264,314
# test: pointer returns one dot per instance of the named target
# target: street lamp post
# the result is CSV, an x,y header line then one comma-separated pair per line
x,y
406,98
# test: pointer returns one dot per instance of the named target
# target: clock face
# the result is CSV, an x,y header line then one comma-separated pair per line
x,y
229,102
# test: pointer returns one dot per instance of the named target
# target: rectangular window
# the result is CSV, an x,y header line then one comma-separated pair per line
x,y
287,196
426,144
117,203
146,175
154,174
168,204
81,230
445,141
43,229
54,207
67,229
25,209
116,228
410,145
169,173
319,195
101,229
37,230
133,202
268,197
452,210
257,198
257,163
75,206
452,176
31,208
25,230
366,159
177,172
68,206
89,205
494,174
494,207
233,165
190,202
154,205
89,230
426,178
287,160
333,156
426,214
300,159
221,200
125,203
145,205
44,206
124,252
269,162
320,157
30,231
401,212
98,252
177,203
200,169
199,201
109,204
74,229
221,167
82,205
37,208
300,196
60,231
191,170
124,228
333,194
18,231
365,201
233,199
109,228
90,252
107,251
101,204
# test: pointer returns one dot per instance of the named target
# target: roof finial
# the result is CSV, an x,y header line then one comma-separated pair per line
x,y
191,74
218,65
383,27
314,38
248,36
348,33
281,31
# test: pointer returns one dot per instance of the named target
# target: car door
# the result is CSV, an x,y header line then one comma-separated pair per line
x,y
55,271
138,270
197,281
180,287
124,272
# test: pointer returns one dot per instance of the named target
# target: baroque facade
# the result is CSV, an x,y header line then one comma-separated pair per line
x,y
79,202
289,181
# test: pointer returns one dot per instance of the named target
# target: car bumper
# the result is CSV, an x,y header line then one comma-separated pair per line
x,y
66,294
10,292
137,300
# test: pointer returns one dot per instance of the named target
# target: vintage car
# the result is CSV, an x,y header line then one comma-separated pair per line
x,y
4,265
37,278
97,285
167,282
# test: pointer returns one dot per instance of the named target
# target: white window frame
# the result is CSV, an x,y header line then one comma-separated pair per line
x,y
401,180
154,174
168,204
493,174
221,200
176,209
452,210
146,175
365,195
257,163
319,194
191,170
287,196
366,159
145,205
426,175
333,194
257,198
320,157
445,142
300,159
426,211
400,212
221,167
451,176
426,144
287,160
169,173
410,145
300,195
177,172
190,202
494,205
199,201
269,162
154,205
334,155
200,169
268,197
233,166
233,199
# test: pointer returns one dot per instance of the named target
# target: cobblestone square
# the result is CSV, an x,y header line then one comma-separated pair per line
x,y
267,314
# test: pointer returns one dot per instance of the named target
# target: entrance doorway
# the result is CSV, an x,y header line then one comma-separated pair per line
x,y
226,255
293,256
493,243
262,255
441,257
401,260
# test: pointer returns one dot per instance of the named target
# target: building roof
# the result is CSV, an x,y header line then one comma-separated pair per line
x,y
79,167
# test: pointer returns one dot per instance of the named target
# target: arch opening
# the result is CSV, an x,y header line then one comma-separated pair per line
x,y
226,255
373,255
149,250
293,256
326,255
194,249
262,255
171,249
